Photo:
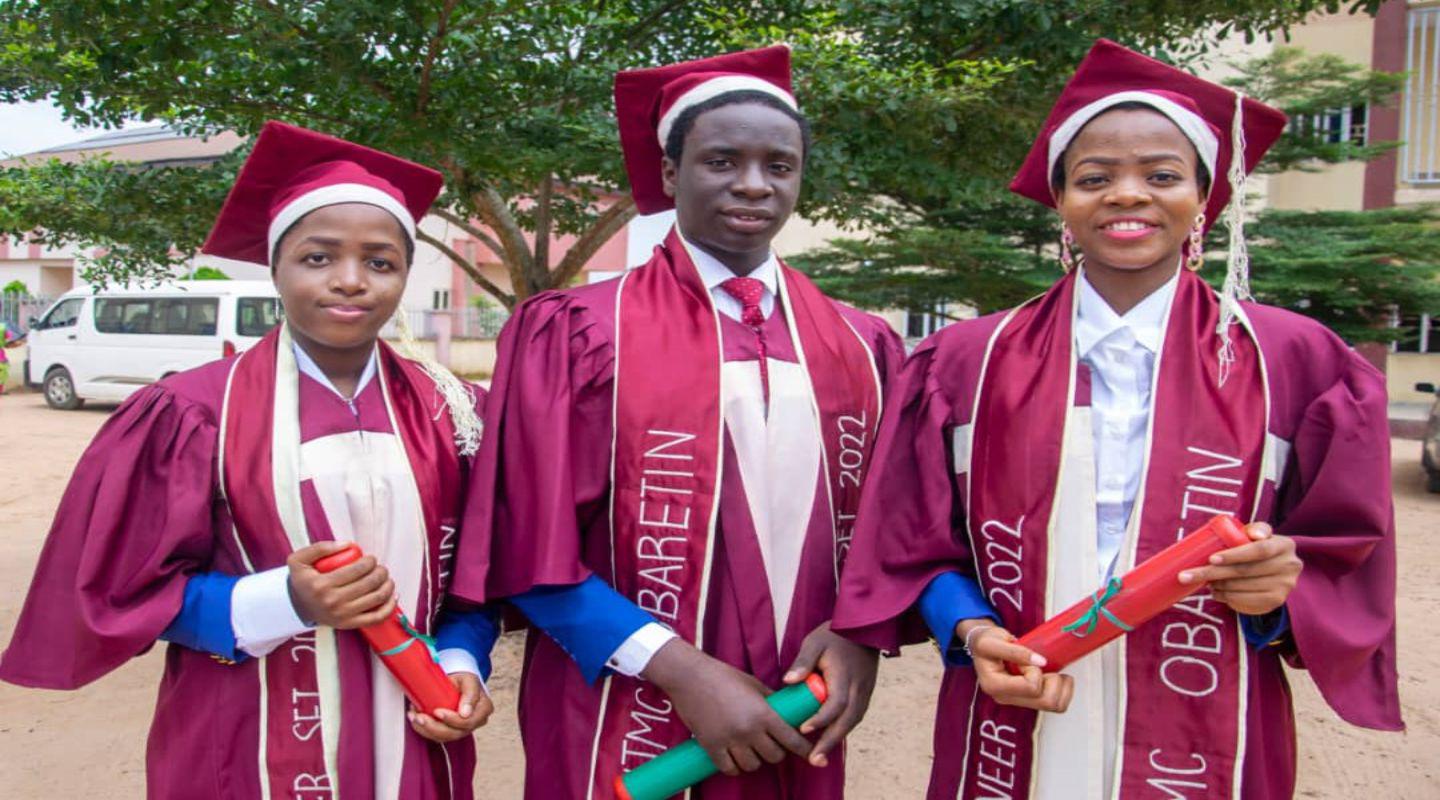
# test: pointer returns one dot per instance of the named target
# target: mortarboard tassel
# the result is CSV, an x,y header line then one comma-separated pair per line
x,y
1237,268
459,399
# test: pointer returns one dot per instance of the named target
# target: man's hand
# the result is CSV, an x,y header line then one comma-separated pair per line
x,y
1254,578
849,672
992,647
447,726
724,708
353,596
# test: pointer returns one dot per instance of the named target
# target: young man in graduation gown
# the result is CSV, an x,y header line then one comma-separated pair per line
x,y
673,459
197,513
1030,455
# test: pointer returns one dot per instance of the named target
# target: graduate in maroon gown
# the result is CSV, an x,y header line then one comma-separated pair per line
x,y
692,436
196,514
1028,455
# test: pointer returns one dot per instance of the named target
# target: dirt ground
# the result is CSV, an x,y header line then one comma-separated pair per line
x,y
90,743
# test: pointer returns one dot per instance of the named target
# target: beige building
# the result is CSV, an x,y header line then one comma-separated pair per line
x,y
1403,36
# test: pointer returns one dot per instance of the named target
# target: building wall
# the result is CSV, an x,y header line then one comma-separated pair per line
x,y
469,358
1340,187
1404,370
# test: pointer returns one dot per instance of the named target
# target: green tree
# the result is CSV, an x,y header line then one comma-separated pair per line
x,y
1348,269
917,105
510,100
207,274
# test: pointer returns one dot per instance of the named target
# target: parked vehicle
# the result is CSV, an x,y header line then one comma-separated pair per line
x,y
106,344
1430,452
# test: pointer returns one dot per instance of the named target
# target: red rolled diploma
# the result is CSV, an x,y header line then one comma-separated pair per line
x,y
1133,599
401,650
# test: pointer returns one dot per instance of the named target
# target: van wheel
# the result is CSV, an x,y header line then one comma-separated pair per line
x,y
1432,482
60,390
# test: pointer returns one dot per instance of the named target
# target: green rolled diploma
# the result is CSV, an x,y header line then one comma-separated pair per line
x,y
686,764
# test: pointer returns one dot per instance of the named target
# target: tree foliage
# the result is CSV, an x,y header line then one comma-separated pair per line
x,y
918,106
1350,270
511,100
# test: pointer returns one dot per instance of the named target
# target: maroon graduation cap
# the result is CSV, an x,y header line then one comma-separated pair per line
x,y
293,171
648,101
1205,112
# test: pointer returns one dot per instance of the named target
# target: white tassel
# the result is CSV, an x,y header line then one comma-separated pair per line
x,y
1237,268
457,397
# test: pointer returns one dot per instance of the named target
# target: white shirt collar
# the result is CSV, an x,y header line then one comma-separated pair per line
x,y
713,273
1096,320
307,365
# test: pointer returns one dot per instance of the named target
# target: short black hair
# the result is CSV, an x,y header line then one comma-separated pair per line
x,y
1057,175
675,142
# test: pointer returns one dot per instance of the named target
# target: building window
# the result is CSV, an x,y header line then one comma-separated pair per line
x,y
1336,125
1421,334
918,325
1420,113
441,300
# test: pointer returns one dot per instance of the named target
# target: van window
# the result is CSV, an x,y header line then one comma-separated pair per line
x,y
255,316
174,316
63,314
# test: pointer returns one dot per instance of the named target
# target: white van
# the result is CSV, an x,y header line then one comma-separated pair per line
x,y
106,344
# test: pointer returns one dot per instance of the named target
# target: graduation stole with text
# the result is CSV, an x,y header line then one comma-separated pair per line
x,y
1182,695
666,464
260,478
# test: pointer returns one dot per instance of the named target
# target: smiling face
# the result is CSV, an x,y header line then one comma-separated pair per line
x,y
1131,191
737,181
340,272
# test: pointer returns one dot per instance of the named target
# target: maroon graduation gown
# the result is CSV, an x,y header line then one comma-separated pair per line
x,y
549,417
1334,499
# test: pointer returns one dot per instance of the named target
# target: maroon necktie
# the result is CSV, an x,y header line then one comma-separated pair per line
x,y
749,291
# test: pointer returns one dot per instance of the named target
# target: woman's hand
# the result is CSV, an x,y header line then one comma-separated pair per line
x,y
1254,578
447,726
353,596
990,647
724,708
849,672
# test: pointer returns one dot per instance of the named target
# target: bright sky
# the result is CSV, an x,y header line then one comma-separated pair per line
x,y
27,127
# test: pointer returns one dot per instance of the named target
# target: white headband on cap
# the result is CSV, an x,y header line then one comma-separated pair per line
x,y
714,88
336,194
1189,123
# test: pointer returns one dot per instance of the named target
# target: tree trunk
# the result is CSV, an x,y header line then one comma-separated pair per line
x,y
527,267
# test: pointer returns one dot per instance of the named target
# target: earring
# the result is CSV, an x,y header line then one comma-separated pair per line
x,y
1196,257
1067,238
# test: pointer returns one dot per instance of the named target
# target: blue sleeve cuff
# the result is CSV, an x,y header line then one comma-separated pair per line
x,y
474,631
588,620
1263,630
947,599
204,619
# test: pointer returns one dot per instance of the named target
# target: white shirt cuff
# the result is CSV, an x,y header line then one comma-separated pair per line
x,y
634,654
262,614
458,659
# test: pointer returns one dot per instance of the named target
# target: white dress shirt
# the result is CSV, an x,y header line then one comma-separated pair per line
x,y
713,273
1120,351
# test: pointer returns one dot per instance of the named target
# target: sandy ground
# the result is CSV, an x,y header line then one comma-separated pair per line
x,y
90,743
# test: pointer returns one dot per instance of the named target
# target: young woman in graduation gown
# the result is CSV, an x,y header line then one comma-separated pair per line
x,y
1031,454
684,445
197,514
